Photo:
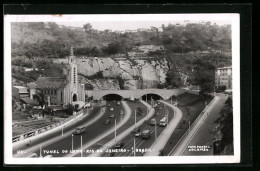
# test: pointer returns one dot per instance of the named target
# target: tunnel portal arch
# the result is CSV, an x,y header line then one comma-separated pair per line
x,y
112,97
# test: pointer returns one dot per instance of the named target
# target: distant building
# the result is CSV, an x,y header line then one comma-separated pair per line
x,y
61,91
19,92
223,76
150,48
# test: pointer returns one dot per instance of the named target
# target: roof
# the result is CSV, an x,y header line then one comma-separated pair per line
x,y
29,101
50,82
225,67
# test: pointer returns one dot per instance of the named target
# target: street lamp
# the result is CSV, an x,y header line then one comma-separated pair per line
x,y
72,142
81,145
155,132
115,128
134,146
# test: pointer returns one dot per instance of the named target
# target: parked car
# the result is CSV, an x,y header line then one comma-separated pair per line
x,y
108,105
119,144
112,116
111,109
121,112
118,103
79,130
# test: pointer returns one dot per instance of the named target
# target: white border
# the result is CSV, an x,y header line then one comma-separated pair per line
x,y
234,18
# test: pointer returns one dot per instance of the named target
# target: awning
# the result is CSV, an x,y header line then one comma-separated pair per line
x,y
27,100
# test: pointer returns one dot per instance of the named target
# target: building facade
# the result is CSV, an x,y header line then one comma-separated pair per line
x,y
61,91
223,76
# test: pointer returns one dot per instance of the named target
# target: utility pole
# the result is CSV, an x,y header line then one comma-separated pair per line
x,y
40,151
134,146
155,132
135,118
72,142
81,145
115,128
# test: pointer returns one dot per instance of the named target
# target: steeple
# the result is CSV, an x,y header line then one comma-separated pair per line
x,y
71,51
71,58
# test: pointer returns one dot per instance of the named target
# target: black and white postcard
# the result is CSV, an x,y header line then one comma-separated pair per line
x,y
122,89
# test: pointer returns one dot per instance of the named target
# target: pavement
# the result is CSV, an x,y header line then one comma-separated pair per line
x,y
111,143
189,135
167,132
109,131
205,134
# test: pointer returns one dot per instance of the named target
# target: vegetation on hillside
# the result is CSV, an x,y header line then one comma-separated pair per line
x,y
39,40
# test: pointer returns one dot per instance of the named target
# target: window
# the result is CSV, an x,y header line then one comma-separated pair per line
x,y
74,74
55,92
61,96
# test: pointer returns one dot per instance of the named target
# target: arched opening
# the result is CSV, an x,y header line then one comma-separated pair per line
x,y
151,96
74,97
112,97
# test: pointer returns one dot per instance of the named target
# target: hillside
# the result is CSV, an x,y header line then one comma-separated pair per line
x,y
190,55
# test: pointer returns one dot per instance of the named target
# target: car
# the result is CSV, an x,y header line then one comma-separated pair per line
x,y
137,134
136,130
112,116
119,144
146,134
107,121
108,105
118,103
121,112
153,122
111,109
114,101
79,130
160,108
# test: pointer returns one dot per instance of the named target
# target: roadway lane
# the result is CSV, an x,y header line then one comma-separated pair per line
x,y
205,134
66,129
63,147
139,142
129,123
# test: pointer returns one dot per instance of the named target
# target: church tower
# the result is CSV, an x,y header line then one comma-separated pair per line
x,y
72,77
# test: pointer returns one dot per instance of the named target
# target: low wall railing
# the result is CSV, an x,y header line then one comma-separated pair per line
x,y
43,129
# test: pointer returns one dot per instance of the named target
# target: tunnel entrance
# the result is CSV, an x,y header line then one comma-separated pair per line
x,y
151,96
112,97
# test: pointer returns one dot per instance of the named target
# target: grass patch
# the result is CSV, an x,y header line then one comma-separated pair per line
x,y
191,106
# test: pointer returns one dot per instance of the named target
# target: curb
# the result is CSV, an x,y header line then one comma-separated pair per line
x,y
167,132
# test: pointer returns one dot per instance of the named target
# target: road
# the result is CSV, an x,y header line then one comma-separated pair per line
x,y
63,147
141,144
53,135
205,134
125,126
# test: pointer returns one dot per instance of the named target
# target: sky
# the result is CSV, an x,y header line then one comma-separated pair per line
x,y
131,25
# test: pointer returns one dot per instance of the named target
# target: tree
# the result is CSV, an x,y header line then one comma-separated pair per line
x,y
203,76
71,109
88,28
40,98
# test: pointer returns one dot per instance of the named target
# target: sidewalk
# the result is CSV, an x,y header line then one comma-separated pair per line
x,y
50,141
188,136
126,132
111,130
167,132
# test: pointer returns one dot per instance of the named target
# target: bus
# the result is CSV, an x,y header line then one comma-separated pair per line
x,y
163,121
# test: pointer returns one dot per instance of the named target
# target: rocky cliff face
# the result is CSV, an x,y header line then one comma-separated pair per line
x,y
145,73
